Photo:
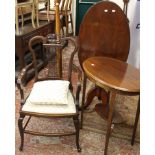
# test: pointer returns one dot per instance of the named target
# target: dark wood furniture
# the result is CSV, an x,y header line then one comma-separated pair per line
x,y
104,31
116,77
21,40
50,73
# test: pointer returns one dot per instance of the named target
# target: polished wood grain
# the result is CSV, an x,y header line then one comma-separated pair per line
x,y
113,73
104,31
117,77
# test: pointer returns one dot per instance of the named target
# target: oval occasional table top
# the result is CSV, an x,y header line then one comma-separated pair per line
x,y
113,73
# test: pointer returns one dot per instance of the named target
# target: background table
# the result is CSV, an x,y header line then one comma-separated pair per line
x,y
22,39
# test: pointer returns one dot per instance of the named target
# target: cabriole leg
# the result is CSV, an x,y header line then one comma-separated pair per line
x,y
77,127
21,131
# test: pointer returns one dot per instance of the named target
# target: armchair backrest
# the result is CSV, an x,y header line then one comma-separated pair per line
x,y
50,53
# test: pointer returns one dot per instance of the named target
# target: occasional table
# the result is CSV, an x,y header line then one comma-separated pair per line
x,y
115,76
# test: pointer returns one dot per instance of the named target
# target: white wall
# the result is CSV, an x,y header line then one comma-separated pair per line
x,y
134,19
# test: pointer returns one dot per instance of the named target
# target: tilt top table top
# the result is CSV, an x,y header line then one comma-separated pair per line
x,y
112,73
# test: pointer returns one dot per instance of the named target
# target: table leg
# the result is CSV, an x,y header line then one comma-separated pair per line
x,y
136,122
112,96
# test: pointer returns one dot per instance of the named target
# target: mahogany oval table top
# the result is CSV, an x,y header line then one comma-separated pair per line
x,y
113,73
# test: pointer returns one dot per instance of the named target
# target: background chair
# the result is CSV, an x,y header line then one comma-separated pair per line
x,y
19,11
45,10
66,11
66,15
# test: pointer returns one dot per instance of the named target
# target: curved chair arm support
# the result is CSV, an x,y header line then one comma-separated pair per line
x,y
78,70
73,67
20,79
23,72
33,41
72,56
78,94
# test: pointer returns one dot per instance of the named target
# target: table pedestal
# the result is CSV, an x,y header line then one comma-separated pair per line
x,y
102,108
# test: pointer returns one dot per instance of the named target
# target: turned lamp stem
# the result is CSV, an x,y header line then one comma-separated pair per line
x,y
57,16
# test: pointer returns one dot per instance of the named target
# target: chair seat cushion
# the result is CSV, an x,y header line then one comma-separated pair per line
x,y
51,108
49,92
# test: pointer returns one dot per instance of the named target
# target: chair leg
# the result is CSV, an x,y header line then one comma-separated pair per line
x,y
71,21
32,16
37,14
21,131
77,127
62,27
17,23
66,21
48,9
22,17
83,100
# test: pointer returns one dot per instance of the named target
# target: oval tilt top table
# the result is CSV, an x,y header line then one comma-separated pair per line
x,y
116,77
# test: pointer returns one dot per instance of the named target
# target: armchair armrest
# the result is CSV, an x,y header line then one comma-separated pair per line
x,y
20,80
78,70
77,95
22,74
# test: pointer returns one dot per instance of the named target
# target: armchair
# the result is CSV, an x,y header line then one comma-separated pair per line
x,y
42,101
41,104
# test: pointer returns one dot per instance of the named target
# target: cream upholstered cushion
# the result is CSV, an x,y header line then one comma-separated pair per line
x,y
49,92
51,108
